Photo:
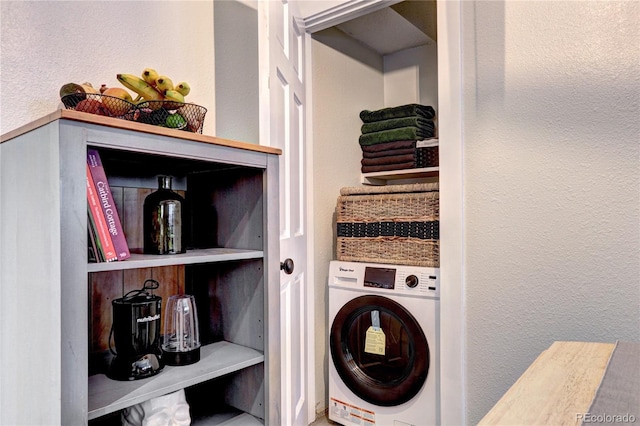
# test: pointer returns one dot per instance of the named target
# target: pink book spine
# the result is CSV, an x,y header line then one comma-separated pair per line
x,y
106,242
114,226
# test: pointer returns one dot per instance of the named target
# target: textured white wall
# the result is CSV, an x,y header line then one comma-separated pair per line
x,y
411,76
237,69
47,44
551,182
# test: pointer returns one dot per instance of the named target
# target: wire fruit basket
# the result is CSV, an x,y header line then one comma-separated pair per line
x,y
171,114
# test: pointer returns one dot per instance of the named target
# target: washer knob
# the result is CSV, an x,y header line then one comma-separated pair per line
x,y
411,281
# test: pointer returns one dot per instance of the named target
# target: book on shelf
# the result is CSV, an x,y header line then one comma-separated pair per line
x,y
94,254
107,250
109,210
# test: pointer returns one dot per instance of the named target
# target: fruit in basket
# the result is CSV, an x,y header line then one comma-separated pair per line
x,y
88,88
173,99
117,107
176,121
173,95
149,75
139,86
183,88
71,88
92,106
159,117
195,120
71,94
118,92
142,88
120,101
164,83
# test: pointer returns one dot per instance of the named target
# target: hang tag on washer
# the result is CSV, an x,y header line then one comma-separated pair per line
x,y
375,340
375,320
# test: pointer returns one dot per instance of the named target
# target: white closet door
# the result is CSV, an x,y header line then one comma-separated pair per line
x,y
283,124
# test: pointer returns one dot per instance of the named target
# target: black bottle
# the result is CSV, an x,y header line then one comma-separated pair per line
x,y
163,220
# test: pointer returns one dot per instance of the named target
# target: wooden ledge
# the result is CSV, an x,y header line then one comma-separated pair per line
x,y
557,387
67,114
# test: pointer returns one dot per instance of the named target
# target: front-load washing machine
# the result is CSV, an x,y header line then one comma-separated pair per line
x,y
384,344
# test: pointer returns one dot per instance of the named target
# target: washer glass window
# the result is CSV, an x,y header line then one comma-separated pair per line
x,y
399,372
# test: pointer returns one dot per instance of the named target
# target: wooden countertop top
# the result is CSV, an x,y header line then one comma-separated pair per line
x,y
132,125
558,386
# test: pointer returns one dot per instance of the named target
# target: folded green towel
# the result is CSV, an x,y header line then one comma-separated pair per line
x,y
408,110
394,123
401,134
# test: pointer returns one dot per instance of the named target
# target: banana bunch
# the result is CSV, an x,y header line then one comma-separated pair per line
x,y
152,86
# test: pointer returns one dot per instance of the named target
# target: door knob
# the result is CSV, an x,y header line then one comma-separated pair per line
x,y
287,266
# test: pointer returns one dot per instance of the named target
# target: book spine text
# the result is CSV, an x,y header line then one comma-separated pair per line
x,y
106,242
114,225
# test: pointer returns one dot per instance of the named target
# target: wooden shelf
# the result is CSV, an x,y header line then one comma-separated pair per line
x,y
382,178
228,419
190,257
217,359
118,123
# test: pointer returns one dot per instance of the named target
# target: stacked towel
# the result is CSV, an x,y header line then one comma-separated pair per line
x,y
399,134
389,138
413,155
394,123
409,110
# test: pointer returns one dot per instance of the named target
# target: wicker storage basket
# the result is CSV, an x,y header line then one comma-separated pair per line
x,y
397,224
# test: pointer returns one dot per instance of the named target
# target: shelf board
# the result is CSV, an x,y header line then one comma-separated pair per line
x,y
119,123
190,257
381,178
235,419
217,359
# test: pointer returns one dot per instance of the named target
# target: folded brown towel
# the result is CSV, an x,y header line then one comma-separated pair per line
x,y
393,159
388,167
388,153
395,123
386,146
408,110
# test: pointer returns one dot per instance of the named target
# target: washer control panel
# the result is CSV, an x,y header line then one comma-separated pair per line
x,y
411,280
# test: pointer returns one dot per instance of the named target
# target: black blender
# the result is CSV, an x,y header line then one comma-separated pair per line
x,y
136,332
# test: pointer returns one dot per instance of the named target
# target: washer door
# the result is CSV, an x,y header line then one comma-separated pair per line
x,y
390,378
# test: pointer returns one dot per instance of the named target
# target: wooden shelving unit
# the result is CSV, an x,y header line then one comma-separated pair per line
x,y
231,189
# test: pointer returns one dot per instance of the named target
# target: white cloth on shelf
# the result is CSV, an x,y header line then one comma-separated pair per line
x,y
171,409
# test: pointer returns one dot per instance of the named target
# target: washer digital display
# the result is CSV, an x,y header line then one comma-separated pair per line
x,y
380,277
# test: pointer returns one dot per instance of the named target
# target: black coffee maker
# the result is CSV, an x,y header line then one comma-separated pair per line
x,y
136,332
